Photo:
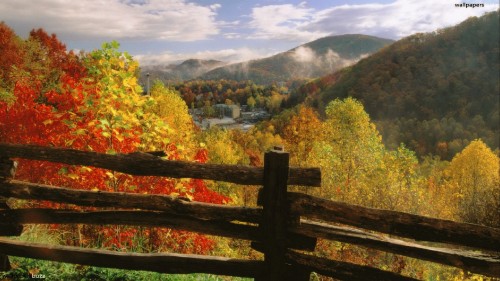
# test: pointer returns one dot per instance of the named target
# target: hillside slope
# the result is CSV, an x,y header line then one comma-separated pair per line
x,y
314,59
435,91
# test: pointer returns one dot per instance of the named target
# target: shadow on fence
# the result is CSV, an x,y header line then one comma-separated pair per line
x,y
285,226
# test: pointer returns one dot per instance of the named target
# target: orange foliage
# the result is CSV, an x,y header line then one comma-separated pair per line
x,y
67,116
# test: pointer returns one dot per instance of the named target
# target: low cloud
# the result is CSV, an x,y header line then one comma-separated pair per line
x,y
226,55
170,20
304,54
310,62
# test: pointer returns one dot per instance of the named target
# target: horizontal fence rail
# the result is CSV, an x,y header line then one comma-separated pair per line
x,y
396,223
174,205
144,164
470,260
145,218
162,263
342,270
126,217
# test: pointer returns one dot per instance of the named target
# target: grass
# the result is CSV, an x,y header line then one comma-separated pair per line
x,y
24,268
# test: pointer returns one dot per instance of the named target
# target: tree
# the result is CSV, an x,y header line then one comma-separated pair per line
x,y
349,153
251,102
222,149
174,124
300,134
104,112
11,57
473,174
394,182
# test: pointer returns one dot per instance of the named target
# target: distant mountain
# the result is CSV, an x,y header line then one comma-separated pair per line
x,y
435,92
310,60
187,70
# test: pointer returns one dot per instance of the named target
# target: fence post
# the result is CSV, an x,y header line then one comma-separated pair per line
x,y
275,214
7,170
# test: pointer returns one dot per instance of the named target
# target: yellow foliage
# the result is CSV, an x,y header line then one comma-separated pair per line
x,y
300,133
474,176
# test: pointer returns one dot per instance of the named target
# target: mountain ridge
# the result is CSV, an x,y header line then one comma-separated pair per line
x,y
310,60
186,70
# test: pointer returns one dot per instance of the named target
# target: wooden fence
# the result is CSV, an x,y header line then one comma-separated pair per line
x,y
285,228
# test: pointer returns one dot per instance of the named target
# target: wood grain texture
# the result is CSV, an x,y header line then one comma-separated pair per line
x,y
163,263
396,223
139,218
342,270
473,261
274,215
174,205
144,164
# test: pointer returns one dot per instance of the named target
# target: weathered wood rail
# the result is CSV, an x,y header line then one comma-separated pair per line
x,y
286,222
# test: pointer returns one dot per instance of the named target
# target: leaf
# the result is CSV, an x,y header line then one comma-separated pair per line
x,y
105,122
119,138
80,132
86,169
63,171
47,122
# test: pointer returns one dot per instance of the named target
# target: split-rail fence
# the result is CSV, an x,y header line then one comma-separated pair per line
x,y
285,227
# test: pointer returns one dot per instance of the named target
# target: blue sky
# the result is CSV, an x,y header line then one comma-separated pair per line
x,y
169,31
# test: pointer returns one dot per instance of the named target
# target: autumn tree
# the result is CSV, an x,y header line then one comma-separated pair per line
x,y
174,124
105,112
300,134
222,149
394,184
474,178
251,102
349,153
11,58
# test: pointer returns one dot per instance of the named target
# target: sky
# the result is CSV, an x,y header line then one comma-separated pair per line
x,y
170,31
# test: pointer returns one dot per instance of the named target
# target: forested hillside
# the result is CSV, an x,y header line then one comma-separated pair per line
x,y
435,92
310,60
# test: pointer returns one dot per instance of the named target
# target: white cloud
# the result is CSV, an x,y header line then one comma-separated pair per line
x,y
225,55
283,22
393,20
215,6
172,20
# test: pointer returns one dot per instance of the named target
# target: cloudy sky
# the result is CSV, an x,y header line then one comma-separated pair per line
x,y
166,31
